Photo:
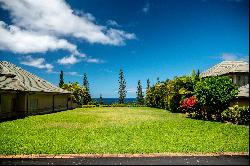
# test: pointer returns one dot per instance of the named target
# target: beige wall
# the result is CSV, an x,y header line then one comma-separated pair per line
x,y
22,103
40,103
60,102
7,105
240,79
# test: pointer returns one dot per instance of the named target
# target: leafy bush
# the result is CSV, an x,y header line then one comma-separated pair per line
x,y
79,94
191,107
170,94
236,114
215,94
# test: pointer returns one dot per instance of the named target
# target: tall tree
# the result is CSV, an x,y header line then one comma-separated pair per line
x,y
122,87
61,82
101,99
86,85
148,84
140,99
85,82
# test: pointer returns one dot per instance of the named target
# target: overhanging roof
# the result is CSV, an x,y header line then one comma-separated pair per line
x,y
16,78
227,67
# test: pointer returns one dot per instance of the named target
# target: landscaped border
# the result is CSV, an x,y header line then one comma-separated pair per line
x,y
124,155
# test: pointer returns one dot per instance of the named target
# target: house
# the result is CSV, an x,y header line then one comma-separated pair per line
x,y
22,93
239,72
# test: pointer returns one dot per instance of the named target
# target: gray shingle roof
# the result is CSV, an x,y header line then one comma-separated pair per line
x,y
244,91
16,78
227,67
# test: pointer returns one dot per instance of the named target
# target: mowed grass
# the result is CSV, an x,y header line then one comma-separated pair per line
x,y
119,130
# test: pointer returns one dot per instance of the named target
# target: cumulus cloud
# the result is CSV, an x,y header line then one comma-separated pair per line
x,y
37,62
94,60
75,58
22,41
112,23
145,8
56,17
68,60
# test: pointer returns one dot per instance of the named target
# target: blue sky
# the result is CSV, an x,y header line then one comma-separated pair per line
x,y
146,38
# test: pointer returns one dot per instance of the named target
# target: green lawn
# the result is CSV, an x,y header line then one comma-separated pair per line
x,y
119,130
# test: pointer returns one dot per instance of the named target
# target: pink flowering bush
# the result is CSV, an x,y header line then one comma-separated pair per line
x,y
191,107
189,104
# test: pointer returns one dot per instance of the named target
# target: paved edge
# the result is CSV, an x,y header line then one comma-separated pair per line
x,y
124,155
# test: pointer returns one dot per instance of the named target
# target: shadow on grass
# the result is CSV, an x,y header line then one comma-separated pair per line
x,y
16,117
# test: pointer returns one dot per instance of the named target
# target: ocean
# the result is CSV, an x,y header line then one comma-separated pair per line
x,y
115,100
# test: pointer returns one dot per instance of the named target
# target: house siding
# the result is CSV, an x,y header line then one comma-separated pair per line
x,y
39,103
7,105
60,102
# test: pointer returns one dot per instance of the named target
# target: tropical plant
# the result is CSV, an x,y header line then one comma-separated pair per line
x,y
122,87
140,99
86,85
79,94
236,114
215,94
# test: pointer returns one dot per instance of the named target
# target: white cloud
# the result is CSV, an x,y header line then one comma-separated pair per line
x,y
68,60
56,17
37,62
22,41
94,60
145,9
112,23
73,73
75,58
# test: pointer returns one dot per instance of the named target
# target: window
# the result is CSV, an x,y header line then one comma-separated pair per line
x,y
33,104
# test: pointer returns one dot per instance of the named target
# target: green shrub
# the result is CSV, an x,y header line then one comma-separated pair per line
x,y
215,94
236,114
170,94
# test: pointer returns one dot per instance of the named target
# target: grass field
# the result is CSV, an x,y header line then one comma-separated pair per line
x,y
119,130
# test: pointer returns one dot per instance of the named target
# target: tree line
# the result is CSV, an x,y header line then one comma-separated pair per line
x,y
81,94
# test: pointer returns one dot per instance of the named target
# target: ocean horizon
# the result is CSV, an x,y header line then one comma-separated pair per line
x,y
115,100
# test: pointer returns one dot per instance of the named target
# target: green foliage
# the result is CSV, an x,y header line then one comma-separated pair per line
x,y
236,114
169,94
117,130
86,85
215,94
61,81
79,94
85,82
122,87
140,99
